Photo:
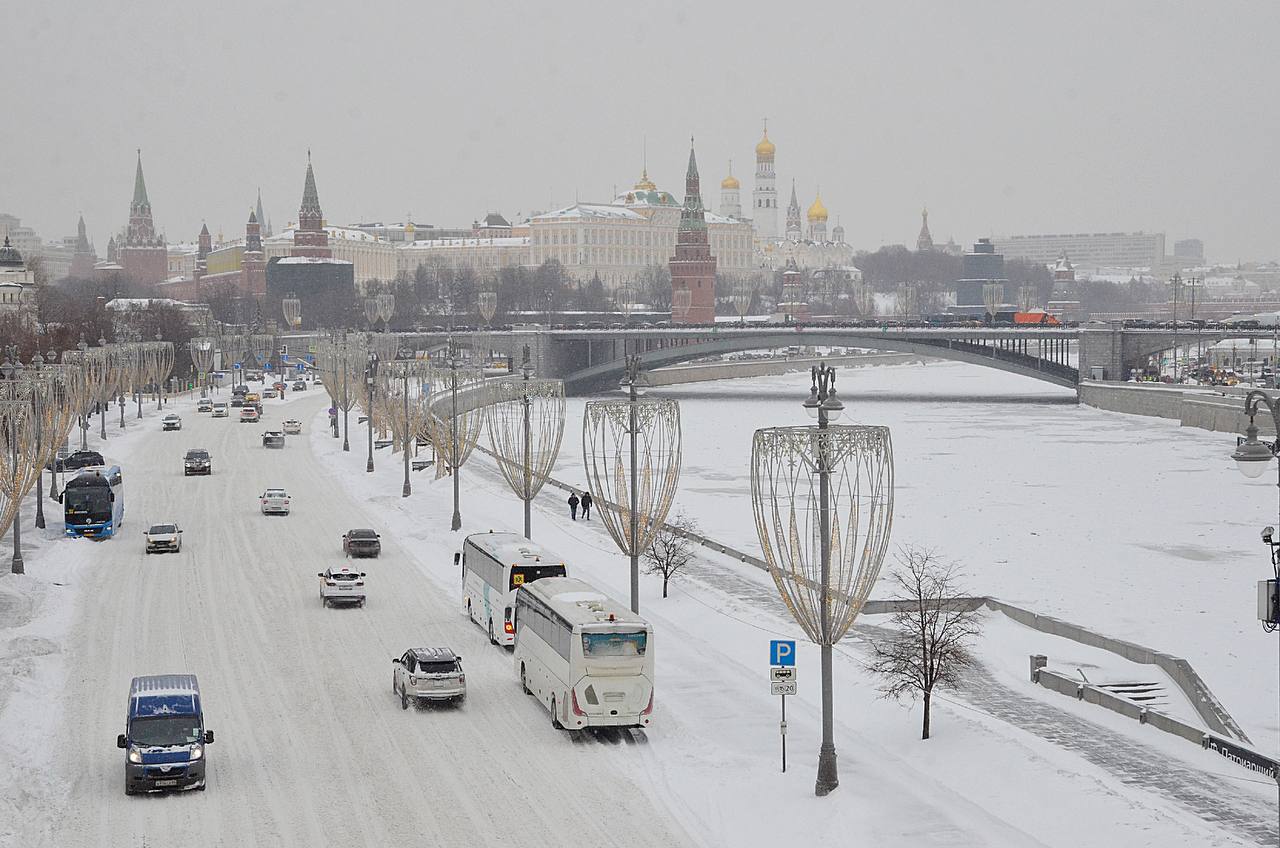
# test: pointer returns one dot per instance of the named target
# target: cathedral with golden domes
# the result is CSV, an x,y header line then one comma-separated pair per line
x,y
808,242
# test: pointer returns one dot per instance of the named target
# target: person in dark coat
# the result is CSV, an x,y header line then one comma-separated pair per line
x,y
586,506
573,506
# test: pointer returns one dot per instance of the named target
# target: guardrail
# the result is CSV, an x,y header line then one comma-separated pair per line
x,y
1091,694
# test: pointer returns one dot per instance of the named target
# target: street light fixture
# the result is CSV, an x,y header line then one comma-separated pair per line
x,y
1251,456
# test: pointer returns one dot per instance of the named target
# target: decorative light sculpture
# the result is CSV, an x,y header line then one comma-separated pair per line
x,y
526,425
457,417
823,502
631,453
291,306
404,394
202,353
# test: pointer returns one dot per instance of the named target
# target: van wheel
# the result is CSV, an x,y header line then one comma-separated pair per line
x,y
127,790
555,719
492,641
200,786
524,684
404,700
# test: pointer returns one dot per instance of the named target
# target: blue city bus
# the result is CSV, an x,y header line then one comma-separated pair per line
x,y
93,502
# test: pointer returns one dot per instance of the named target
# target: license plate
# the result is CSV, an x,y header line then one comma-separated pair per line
x,y
344,588
166,783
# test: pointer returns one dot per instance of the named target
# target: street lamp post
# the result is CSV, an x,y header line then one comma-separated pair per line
x,y
11,369
407,488
37,362
104,400
1252,456
456,522
1176,285
371,385
632,381
851,469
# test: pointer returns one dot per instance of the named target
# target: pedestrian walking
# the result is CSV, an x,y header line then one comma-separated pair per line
x,y
586,506
573,506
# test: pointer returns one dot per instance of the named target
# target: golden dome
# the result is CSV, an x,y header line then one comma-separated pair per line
x,y
645,183
765,147
817,212
730,182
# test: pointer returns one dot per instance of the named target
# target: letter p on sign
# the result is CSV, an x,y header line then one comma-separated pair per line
x,y
782,652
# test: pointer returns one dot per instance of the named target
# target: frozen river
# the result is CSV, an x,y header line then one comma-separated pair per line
x,y
1134,526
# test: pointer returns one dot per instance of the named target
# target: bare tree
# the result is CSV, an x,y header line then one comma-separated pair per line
x,y
671,550
934,624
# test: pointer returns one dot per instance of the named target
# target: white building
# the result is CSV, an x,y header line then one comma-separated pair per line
x,y
373,258
730,196
17,286
764,197
1087,250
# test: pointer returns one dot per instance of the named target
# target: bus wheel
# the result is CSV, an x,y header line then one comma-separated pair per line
x,y
492,641
524,684
555,719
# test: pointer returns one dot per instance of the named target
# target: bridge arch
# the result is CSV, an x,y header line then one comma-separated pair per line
x,y
607,373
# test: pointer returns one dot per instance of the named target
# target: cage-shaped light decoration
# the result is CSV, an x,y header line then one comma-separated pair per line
x,y
606,445
787,467
526,458
456,419
291,306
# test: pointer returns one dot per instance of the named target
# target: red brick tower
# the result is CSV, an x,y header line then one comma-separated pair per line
x,y
693,268
203,249
85,258
310,238
255,261
143,255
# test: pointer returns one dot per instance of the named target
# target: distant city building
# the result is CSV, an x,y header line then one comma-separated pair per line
x,y
129,313
17,286
978,269
23,239
1088,250
794,231
84,256
924,241
311,271
1189,252
1063,270
792,307
693,268
410,231
764,197
143,255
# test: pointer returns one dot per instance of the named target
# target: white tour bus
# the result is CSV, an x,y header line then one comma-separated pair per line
x,y
494,566
588,658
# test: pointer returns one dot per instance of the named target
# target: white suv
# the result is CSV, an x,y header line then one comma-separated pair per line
x,y
429,674
341,585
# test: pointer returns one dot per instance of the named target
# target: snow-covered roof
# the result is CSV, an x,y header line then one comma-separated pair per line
x,y
123,303
340,233
312,260
591,210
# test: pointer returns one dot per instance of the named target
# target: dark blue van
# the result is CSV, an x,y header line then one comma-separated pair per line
x,y
165,738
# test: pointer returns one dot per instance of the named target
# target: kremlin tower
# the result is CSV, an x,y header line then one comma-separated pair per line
x,y
924,241
693,268
794,233
204,246
254,264
730,199
85,257
143,255
310,238
764,198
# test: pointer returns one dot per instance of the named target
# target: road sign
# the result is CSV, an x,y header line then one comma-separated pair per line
x,y
782,652
237,365
781,675
784,688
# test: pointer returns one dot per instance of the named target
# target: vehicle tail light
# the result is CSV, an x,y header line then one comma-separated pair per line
x,y
331,582
462,678
508,627
576,709
359,582
413,680
649,709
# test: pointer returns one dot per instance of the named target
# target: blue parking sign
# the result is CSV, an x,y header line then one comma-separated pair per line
x,y
782,652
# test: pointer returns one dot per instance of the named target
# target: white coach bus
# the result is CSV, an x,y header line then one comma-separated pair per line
x,y
494,566
588,658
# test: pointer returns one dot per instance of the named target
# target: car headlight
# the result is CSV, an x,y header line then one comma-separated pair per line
x,y
135,756
197,751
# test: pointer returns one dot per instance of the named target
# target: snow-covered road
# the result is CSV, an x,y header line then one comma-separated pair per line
x,y
312,748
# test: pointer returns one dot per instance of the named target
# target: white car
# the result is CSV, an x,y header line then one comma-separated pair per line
x,y
341,585
275,501
221,410
163,537
292,427
428,674
204,405
249,414
172,421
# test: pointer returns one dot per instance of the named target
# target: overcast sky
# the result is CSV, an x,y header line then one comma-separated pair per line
x,y
1003,117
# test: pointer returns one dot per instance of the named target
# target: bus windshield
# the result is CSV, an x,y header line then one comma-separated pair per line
x,y
522,574
614,644
88,505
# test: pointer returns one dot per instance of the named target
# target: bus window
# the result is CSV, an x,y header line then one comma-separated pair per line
x,y
523,574
614,644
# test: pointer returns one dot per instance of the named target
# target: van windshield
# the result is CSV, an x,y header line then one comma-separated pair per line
x,y
165,730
